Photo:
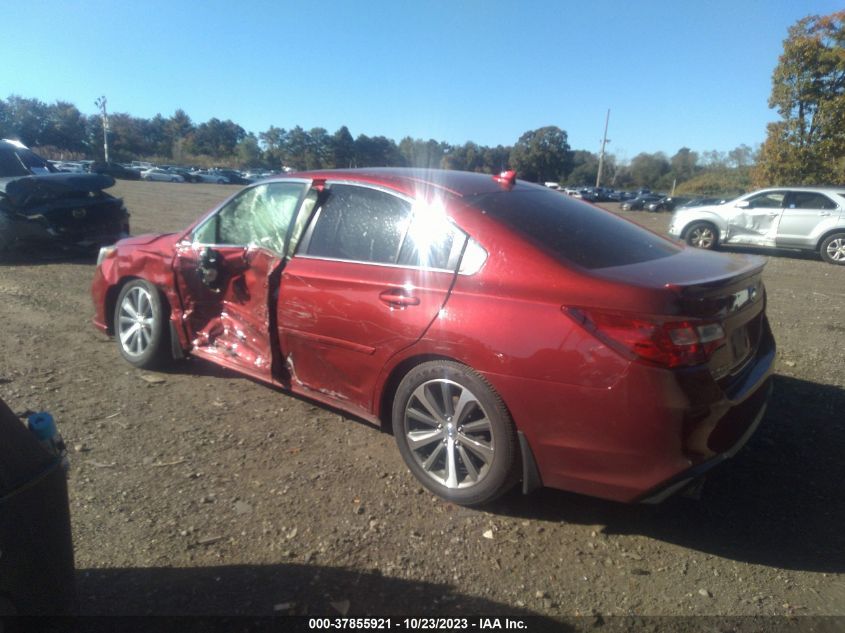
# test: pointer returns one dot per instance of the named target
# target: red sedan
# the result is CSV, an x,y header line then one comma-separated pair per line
x,y
504,332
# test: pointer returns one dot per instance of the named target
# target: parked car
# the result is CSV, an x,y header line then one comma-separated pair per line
x,y
208,176
186,174
40,206
503,331
232,177
157,173
639,203
115,170
805,218
667,203
700,202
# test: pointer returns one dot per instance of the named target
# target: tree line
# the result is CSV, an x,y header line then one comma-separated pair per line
x,y
60,130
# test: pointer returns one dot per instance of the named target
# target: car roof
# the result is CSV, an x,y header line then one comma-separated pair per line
x,y
827,188
410,180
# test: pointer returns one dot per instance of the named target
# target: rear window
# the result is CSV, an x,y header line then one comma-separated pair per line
x,y
573,231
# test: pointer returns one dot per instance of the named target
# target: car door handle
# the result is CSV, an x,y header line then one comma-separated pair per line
x,y
393,298
824,213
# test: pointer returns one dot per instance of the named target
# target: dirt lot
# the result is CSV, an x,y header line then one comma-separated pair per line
x,y
204,492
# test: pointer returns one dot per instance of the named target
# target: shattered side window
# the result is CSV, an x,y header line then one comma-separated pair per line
x,y
360,224
260,216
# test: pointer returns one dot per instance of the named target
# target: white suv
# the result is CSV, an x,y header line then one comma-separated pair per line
x,y
806,218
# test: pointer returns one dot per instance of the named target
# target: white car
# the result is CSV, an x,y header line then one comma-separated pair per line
x,y
160,174
805,218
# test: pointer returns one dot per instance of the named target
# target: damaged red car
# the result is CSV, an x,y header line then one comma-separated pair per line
x,y
504,332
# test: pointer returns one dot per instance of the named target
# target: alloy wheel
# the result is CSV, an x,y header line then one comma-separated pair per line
x,y
701,237
836,250
449,433
136,321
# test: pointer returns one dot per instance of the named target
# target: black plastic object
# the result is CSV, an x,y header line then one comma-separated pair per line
x,y
36,550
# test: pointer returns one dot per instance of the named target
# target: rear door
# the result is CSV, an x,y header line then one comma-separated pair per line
x,y
804,211
227,275
370,276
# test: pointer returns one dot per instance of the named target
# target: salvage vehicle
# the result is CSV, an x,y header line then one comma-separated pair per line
x,y
42,207
799,218
503,331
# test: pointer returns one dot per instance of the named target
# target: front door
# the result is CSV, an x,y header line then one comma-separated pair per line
x,y
227,274
755,220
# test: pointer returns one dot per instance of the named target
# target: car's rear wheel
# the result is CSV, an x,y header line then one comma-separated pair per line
x,y
454,433
140,325
702,235
832,249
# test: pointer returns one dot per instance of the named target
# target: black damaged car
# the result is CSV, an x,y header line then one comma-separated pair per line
x,y
42,207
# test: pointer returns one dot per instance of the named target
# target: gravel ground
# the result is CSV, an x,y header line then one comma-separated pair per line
x,y
197,491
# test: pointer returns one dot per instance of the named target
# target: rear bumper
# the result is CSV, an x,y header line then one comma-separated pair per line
x,y
684,479
645,437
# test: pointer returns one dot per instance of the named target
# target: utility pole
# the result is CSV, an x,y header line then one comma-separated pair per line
x,y
604,141
101,103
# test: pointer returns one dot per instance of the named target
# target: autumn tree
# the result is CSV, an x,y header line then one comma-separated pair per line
x,y
807,146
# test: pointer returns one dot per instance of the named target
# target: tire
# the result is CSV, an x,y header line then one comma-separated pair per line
x,y
702,235
467,466
832,249
140,325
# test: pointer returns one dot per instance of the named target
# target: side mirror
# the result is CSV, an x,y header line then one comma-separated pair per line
x,y
742,204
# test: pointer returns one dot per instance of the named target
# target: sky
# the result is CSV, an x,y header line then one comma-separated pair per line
x,y
673,74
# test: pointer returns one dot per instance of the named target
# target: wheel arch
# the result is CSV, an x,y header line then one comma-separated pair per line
x,y
702,220
827,234
391,383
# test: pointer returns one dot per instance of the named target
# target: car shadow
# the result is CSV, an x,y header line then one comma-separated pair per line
x,y
779,502
282,589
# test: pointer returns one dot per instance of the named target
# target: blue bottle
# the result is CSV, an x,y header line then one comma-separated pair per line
x,y
44,428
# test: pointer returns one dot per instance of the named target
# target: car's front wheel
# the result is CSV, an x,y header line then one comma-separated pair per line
x,y
702,235
140,325
454,433
832,249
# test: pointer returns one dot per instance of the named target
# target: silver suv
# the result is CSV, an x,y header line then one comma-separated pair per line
x,y
806,218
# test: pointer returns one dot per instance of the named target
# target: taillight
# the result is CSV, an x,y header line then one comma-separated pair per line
x,y
663,341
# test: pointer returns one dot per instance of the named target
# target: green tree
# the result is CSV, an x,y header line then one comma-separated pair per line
x,y
649,169
248,151
542,155
807,146
419,153
585,167
343,148
273,142
683,164
26,120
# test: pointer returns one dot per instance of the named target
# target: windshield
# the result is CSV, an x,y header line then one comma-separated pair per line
x,y
20,161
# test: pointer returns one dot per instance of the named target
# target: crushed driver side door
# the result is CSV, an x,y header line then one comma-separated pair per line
x,y
227,272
